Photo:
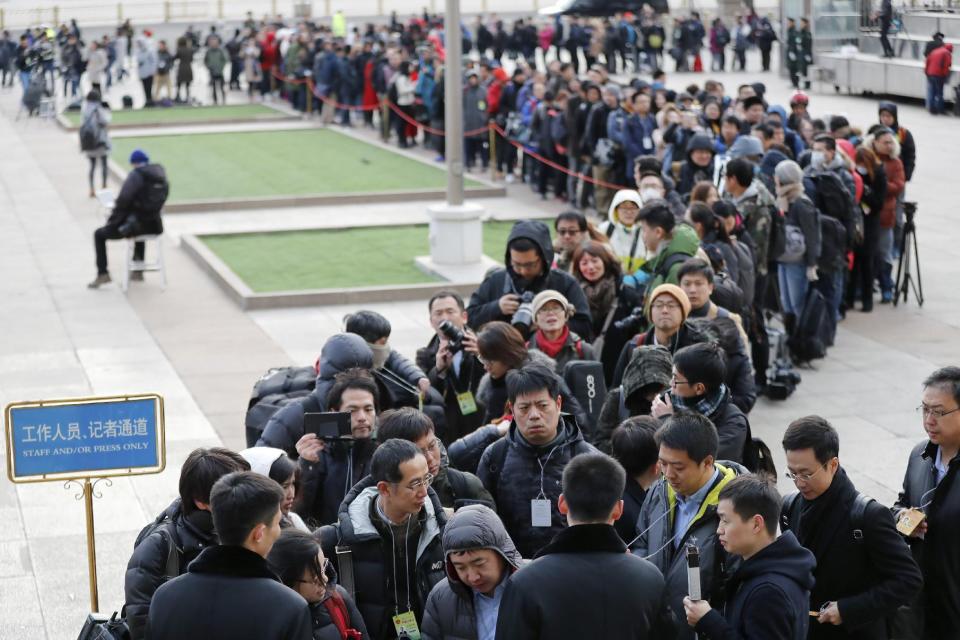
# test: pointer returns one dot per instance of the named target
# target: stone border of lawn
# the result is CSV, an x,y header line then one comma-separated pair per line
x,y
283,115
487,189
248,300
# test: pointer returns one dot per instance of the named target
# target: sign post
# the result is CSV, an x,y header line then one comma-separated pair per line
x,y
82,439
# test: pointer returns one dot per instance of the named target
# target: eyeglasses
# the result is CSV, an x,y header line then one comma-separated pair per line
x,y
936,412
568,232
518,266
804,477
420,483
677,383
670,306
554,311
430,448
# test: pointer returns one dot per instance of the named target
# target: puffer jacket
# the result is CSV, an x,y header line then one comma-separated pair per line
x,y
685,242
147,567
484,304
449,614
896,180
625,241
513,471
656,544
650,366
323,625
371,555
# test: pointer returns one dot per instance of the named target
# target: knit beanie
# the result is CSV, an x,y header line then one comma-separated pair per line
x,y
139,156
674,291
788,172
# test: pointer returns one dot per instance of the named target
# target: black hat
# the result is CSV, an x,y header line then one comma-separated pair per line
x,y
751,101
838,122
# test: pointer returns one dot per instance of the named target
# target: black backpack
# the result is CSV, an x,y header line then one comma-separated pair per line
x,y
274,390
790,511
832,197
90,132
156,190
727,293
778,235
813,330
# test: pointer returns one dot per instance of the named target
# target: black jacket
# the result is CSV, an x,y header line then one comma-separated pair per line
x,y
228,592
633,495
323,625
868,578
584,585
767,596
511,471
130,200
372,553
449,613
484,304
147,567
685,336
325,483
449,384
732,427
938,554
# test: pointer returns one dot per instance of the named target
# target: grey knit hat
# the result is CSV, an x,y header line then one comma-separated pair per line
x,y
788,172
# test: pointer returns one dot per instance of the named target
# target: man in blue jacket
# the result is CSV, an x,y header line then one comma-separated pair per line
x,y
769,593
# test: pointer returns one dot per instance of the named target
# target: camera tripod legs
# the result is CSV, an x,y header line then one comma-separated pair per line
x,y
905,279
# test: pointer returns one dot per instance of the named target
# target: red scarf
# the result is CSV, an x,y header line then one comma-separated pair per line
x,y
552,347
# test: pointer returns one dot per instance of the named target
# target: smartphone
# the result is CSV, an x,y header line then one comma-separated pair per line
x,y
327,426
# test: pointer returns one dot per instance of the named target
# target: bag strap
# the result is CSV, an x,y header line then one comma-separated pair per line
x,y
790,511
345,567
337,609
857,513
578,347
172,566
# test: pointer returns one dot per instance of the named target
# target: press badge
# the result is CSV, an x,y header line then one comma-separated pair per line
x,y
467,403
406,626
647,142
540,513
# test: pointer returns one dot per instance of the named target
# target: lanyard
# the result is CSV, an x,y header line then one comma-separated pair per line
x,y
543,469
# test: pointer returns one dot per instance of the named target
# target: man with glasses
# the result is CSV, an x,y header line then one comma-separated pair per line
x,y
864,570
392,522
572,229
523,470
453,487
528,271
928,509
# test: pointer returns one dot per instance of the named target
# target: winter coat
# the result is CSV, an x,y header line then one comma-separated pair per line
x,y
584,585
733,428
939,61
633,497
184,59
684,241
655,542
692,173
323,626
650,369
868,577
575,348
484,304
896,181
755,206
326,482
937,609
130,200
147,567
96,65
449,384
803,214
228,592
146,61
687,335
511,471
767,596
372,552
215,60
638,139
474,109
625,241
449,614
102,115
908,148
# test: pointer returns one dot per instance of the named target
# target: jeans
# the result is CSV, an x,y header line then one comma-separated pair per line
x,y
793,287
883,262
831,286
103,169
25,79
935,94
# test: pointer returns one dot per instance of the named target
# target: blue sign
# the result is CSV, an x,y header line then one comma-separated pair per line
x,y
85,438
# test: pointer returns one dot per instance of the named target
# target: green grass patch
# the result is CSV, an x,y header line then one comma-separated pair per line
x,y
181,115
334,258
278,163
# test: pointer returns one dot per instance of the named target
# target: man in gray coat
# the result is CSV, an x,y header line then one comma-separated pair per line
x,y
480,558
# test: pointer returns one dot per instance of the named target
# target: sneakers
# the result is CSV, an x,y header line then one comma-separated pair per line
x,y
101,279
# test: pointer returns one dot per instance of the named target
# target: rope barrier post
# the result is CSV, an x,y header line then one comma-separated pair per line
x,y
120,12
309,99
385,120
3,23
453,118
493,154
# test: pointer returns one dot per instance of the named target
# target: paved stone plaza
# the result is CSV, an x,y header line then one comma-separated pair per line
x,y
194,346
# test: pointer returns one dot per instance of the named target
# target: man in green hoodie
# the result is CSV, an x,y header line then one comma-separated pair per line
x,y
668,244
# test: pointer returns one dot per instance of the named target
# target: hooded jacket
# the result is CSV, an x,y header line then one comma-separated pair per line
x,y
908,148
130,200
625,240
450,614
484,304
650,366
655,542
684,241
756,205
939,61
371,555
513,471
896,181
691,173
767,596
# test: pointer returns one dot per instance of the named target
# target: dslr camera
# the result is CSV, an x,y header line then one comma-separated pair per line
x,y
633,323
523,318
453,335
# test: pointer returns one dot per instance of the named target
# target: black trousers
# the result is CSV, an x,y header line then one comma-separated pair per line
x,y
884,40
111,232
147,89
765,59
93,170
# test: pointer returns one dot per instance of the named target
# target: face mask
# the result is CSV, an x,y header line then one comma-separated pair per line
x,y
650,194
817,158
380,354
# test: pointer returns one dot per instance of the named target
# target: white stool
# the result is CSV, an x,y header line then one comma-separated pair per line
x,y
48,108
106,199
141,266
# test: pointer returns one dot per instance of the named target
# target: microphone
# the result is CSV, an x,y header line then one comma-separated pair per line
x,y
693,572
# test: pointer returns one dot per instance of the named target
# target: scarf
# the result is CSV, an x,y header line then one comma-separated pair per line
x,y
821,518
787,194
552,347
705,405
600,296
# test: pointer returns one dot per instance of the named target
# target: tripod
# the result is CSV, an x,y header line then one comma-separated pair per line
x,y
908,250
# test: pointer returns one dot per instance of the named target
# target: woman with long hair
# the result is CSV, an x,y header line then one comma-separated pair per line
x,y
874,177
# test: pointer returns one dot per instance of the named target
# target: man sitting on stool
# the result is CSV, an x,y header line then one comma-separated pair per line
x,y
135,212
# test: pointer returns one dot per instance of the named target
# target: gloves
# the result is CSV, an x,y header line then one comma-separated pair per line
x,y
811,274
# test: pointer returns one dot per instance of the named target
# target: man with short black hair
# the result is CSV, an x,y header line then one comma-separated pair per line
x,y
769,593
634,445
453,487
392,522
864,569
229,591
668,243
698,384
696,278
453,370
528,260
523,469
931,498
681,510
178,534
616,595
